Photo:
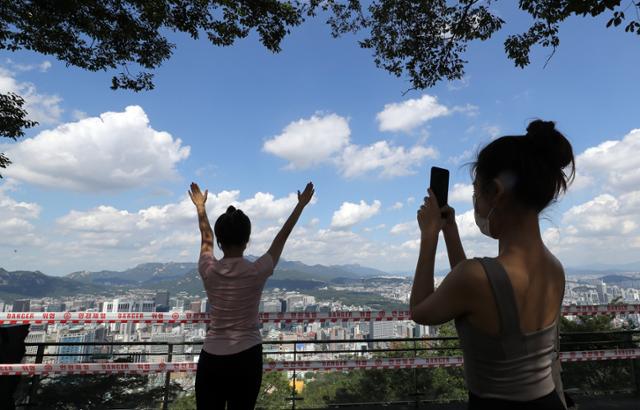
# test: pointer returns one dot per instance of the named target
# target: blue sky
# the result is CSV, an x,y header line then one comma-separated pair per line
x,y
101,186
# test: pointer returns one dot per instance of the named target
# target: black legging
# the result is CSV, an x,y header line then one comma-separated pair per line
x,y
232,380
549,402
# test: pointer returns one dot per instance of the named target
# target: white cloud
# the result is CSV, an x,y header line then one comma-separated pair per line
x,y
308,142
351,213
464,157
118,150
605,229
107,237
614,165
16,221
78,115
468,109
44,108
101,219
390,161
405,227
408,115
44,66
397,205
492,130
374,228
459,84
604,215
411,200
461,193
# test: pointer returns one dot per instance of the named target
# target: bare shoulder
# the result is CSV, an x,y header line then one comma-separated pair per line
x,y
471,269
467,274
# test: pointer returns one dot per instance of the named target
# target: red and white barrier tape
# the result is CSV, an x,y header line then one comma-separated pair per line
x,y
311,365
265,317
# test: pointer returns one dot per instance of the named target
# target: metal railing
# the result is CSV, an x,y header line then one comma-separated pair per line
x,y
410,347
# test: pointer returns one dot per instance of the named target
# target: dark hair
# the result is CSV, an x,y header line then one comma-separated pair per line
x,y
233,228
535,160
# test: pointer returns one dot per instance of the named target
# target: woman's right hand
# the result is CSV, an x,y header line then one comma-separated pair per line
x,y
197,197
449,215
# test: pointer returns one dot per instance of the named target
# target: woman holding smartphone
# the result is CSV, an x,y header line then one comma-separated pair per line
x,y
506,309
230,366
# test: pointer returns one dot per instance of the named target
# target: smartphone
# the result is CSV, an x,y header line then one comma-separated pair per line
x,y
440,185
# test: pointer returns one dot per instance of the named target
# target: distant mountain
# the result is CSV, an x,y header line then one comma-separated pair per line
x,y
299,270
24,284
172,276
283,279
361,270
622,281
605,268
146,273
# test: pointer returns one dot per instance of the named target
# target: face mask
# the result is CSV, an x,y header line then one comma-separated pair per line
x,y
482,222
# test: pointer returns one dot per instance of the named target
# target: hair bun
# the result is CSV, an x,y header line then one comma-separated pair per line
x,y
539,128
231,209
550,142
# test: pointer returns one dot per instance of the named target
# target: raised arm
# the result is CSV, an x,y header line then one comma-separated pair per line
x,y
199,199
281,238
450,300
452,237
430,223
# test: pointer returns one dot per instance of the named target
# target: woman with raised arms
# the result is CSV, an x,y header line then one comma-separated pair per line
x,y
230,365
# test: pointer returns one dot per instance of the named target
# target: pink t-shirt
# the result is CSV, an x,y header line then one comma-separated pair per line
x,y
234,287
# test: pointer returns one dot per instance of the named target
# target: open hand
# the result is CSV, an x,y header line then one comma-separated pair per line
x,y
430,215
305,197
197,197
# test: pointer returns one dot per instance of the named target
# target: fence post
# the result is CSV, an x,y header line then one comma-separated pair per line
x,y
167,379
293,391
294,396
415,377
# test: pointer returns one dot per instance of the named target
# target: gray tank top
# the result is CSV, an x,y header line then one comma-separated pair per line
x,y
512,365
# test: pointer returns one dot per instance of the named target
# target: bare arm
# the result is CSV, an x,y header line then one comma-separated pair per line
x,y
429,306
423,280
281,238
199,199
430,223
455,251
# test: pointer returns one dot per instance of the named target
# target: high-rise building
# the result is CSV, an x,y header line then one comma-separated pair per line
x,y
195,306
205,306
75,335
271,306
123,305
56,307
421,331
21,305
162,301
158,350
381,330
35,337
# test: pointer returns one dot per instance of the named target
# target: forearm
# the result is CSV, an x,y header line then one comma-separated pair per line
x,y
205,230
281,238
288,226
455,251
423,279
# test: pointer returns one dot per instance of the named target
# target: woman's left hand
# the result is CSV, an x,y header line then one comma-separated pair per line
x,y
430,215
